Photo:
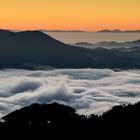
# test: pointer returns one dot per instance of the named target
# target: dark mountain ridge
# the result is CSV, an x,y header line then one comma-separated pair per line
x,y
33,48
52,118
36,47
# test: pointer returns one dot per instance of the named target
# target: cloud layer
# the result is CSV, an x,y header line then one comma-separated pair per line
x,y
87,90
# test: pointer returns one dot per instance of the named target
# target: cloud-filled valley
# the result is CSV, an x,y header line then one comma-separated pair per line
x,y
87,90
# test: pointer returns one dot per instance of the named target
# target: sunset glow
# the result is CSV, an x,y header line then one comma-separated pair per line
x,y
88,15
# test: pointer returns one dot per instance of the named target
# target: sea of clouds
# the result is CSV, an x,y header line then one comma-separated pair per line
x,y
87,90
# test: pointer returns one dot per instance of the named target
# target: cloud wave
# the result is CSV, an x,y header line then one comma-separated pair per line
x,y
87,90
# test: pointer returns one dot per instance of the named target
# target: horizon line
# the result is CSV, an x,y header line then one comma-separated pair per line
x,y
70,30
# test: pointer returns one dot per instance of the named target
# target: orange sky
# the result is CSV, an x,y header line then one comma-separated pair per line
x,y
88,15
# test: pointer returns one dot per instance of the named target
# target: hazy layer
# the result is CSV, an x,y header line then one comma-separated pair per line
x,y
87,90
73,37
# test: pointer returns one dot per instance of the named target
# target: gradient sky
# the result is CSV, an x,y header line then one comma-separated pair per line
x,y
88,15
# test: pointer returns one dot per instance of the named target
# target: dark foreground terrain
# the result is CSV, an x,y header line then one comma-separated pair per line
x,y
57,120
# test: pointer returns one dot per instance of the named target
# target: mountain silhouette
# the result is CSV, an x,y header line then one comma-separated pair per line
x,y
118,31
32,49
109,44
109,31
61,30
27,47
52,118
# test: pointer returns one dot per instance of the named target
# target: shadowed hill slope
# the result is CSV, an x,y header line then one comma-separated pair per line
x,y
18,49
55,118
30,49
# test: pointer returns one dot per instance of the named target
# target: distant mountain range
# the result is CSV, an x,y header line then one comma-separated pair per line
x,y
42,30
30,49
118,31
109,44
100,31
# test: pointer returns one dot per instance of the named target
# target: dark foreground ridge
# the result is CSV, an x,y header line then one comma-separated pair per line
x,y
34,49
55,118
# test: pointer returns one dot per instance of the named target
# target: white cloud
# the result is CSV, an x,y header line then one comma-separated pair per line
x,y
87,90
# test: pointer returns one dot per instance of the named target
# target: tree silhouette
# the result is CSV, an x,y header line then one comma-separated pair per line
x,y
60,119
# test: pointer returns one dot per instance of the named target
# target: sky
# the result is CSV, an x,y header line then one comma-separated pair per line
x,y
90,15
